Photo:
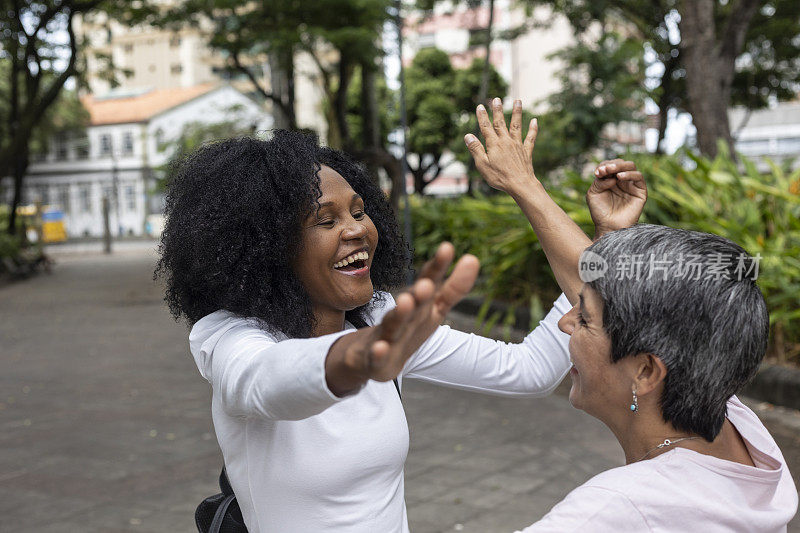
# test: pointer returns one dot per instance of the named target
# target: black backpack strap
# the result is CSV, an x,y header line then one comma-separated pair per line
x,y
219,516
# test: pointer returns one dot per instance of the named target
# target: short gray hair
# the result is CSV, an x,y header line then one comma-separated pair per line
x,y
709,328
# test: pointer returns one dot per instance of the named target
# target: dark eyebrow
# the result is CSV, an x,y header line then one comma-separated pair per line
x,y
356,196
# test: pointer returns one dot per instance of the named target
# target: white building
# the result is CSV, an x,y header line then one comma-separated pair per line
x,y
768,133
157,58
121,152
522,61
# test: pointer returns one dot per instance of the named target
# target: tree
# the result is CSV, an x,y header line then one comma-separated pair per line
x,y
340,36
739,52
195,134
710,43
439,101
39,55
601,84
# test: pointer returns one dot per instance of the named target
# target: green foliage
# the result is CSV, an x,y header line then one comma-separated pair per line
x,y
602,84
195,134
760,212
388,114
10,244
441,101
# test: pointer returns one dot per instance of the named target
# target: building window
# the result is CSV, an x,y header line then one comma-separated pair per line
x,y
85,194
63,198
82,147
62,150
42,194
426,40
130,198
127,143
159,139
176,69
128,47
108,192
174,41
105,145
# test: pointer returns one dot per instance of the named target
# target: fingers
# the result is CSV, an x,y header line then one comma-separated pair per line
x,y
614,166
498,119
476,150
485,125
632,176
530,138
395,322
436,268
458,284
602,184
515,127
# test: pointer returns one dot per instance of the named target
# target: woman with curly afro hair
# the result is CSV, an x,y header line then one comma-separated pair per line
x,y
280,254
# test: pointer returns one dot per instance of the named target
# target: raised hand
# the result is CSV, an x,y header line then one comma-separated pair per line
x,y
505,164
617,196
381,351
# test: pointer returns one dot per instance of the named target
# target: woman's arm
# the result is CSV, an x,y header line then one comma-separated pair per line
x,y
506,165
254,375
466,361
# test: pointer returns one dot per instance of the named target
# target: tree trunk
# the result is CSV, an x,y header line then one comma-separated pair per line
x,y
20,168
340,102
665,99
371,134
710,61
281,68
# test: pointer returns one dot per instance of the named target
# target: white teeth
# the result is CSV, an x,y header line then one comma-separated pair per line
x,y
359,256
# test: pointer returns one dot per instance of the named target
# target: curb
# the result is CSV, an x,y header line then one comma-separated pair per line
x,y
778,385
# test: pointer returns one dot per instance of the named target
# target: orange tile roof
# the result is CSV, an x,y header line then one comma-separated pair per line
x,y
141,107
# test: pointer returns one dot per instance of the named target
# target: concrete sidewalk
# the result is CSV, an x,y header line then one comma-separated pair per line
x,y
105,422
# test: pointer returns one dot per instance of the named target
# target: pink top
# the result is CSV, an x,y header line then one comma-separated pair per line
x,y
681,489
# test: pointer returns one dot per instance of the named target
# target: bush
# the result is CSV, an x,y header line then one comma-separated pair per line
x,y
760,212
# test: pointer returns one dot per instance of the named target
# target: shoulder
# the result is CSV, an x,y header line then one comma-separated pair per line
x,y
596,505
382,302
222,332
751,428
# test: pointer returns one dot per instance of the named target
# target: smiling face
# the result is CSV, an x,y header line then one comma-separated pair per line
x,y
338,243
599,386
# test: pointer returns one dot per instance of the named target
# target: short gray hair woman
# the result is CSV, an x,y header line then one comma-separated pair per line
x,y
669,327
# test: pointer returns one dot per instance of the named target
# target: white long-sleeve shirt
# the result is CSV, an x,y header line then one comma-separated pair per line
x,y
300,459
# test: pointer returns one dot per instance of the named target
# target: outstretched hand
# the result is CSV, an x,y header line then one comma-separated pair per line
x,y
505,164
617,196
381,351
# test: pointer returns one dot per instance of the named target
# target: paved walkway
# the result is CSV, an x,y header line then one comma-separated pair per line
x,y
105,424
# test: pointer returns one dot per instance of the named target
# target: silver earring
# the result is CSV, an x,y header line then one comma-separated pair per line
x,y
635,404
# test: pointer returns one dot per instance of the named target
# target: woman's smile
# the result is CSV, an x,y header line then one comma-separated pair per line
x,y
338,246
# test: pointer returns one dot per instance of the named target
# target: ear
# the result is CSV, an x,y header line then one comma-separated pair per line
x,y
649,373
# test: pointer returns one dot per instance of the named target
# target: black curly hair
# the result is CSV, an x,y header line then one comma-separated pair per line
x,y
233,222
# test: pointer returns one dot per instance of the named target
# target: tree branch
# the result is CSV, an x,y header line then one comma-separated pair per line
x,y
268,95
736,28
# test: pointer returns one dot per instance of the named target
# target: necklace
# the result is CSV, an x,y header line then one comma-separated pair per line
x,y
667,442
